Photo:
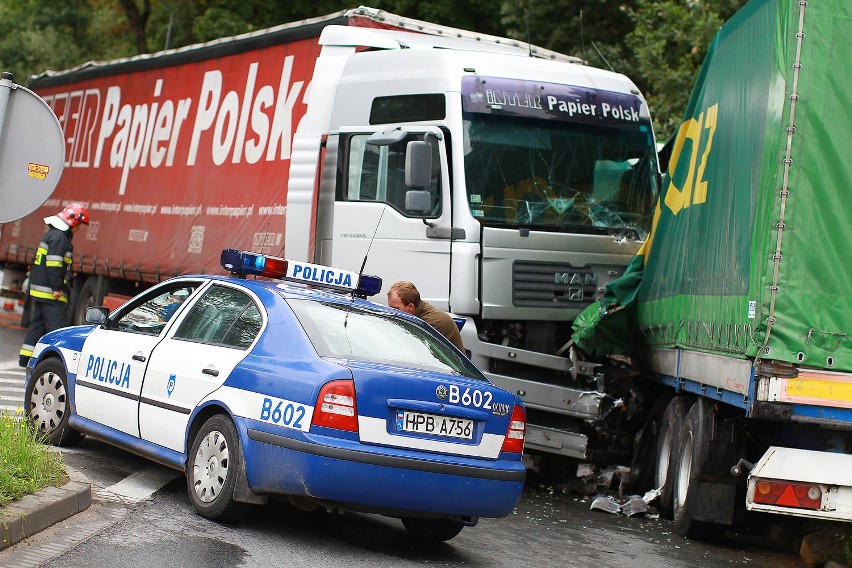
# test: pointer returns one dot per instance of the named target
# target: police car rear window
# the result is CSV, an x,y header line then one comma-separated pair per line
x,y
339,330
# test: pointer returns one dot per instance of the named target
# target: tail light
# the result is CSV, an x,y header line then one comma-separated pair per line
x,y
336,407
787,494
514,441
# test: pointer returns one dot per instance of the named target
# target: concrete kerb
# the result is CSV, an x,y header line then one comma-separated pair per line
x,y
33,513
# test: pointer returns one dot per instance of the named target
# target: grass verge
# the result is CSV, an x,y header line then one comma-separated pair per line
x,y
26,465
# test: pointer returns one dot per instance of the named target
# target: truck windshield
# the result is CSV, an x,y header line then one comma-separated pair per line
x,y
540,168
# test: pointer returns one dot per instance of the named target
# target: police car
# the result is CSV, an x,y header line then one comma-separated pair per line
x,y
257,387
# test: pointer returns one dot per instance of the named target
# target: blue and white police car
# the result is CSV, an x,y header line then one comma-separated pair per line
x,y
257,387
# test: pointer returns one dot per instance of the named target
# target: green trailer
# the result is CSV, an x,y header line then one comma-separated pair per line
x,y
739,302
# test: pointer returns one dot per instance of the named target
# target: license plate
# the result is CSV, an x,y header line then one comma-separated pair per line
x,y
433,425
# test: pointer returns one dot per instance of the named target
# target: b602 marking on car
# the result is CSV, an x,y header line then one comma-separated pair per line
x,y
282,413
470,397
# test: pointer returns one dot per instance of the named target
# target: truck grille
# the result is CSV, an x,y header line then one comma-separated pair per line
x,y
548,285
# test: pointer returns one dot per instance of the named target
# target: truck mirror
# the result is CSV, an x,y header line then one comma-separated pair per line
x,y
97,315
418,165
418,201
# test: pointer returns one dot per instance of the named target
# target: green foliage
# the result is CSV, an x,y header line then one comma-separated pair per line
x,y
583,28
660,44
669,41
26,465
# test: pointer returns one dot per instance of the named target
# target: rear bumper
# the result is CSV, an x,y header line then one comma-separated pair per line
x,y
384,479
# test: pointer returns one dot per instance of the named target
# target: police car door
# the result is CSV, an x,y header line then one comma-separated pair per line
x,y
194,359
370,214
114,357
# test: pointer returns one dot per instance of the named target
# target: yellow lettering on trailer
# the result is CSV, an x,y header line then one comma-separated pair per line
x,y
694,190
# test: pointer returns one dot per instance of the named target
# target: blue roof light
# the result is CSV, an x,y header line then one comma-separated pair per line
x,y
244,263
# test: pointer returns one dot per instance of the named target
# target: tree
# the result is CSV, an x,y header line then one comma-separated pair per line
x,y
659,44
670,39
42,34
138,20
590,29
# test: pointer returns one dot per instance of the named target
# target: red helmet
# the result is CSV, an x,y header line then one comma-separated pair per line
x,y
74,214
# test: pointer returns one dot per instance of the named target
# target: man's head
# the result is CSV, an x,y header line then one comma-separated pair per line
x,y
74,214
70,218
404,296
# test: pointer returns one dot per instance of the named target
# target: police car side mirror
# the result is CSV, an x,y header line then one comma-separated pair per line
x,y
97,315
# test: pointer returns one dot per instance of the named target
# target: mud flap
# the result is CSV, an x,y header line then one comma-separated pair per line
x,y
242,491
716,502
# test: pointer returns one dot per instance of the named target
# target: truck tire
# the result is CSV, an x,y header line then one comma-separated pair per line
x,y
85,299
694,451
668,438
645,448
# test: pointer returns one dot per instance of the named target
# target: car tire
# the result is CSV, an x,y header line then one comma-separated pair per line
x,y
693,454
214,463
431,530
668,450
47,403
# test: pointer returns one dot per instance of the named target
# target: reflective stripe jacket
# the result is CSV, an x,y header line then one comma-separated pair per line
x,y
52,266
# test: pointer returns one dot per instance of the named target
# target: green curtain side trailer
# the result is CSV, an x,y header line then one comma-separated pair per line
x,y
740,301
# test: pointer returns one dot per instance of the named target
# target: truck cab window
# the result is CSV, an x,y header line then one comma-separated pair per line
x,y
377,173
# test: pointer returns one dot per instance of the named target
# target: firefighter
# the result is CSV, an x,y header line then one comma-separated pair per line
x,y
50,276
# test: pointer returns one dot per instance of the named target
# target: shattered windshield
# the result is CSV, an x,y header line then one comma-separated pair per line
x,y
541,162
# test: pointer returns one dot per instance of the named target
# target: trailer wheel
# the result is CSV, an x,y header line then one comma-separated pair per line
x,y
86,298
645,449
693,455
668,438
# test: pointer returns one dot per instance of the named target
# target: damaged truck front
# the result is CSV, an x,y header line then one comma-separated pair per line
x,y
736,312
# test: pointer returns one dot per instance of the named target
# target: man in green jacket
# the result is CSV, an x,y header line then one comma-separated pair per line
x,y
405,297
50,276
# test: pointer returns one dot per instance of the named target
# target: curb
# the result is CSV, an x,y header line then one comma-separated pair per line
x,y
33,513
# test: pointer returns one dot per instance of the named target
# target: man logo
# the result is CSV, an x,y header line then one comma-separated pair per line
x,y
575,279
576,282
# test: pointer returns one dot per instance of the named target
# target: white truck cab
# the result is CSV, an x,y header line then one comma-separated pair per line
x,y
544,171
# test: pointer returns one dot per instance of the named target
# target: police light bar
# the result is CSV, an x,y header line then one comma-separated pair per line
x,y
243,263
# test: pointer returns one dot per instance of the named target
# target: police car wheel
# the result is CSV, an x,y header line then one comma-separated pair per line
x,y
214,462
48,405
431,530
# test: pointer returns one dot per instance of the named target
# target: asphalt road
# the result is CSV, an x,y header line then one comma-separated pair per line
x,y
11,376
141,517
158,529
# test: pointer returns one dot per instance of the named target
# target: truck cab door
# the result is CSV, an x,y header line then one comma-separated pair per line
x,y
371,219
